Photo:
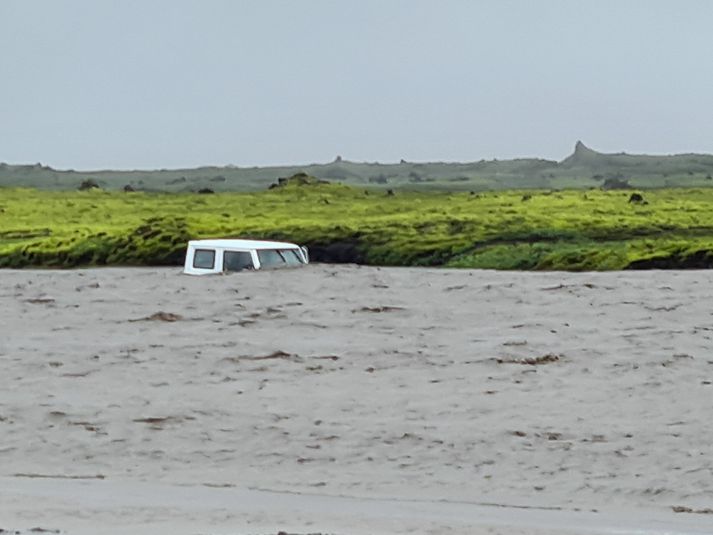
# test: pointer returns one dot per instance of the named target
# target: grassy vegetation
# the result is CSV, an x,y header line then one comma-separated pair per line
x,y
584,169
569,230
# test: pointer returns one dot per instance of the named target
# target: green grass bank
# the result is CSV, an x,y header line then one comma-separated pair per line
x,y
528,230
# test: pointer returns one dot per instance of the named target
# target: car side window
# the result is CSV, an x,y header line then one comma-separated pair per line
x,y
204,259
237,261
270,258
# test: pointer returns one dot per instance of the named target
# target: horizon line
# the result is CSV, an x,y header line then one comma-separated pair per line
x,y
340,159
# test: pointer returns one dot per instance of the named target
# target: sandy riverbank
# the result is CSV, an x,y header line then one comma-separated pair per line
x,y
556,392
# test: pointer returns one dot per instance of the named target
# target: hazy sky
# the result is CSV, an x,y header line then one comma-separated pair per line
x,y
169,83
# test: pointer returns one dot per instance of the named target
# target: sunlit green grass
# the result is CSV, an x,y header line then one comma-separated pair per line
x,y
572,230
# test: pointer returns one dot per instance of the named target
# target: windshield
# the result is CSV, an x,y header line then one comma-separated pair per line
x,y
279,258
292,257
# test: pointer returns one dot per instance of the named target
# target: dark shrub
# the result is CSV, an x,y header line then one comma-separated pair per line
x,y
88,184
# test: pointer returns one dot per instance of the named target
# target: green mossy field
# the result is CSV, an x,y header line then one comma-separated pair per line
x,y
525,230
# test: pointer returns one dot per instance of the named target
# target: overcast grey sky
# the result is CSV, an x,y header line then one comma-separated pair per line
x,y
89,84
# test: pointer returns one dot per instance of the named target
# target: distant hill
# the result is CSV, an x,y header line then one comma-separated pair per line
x,y
584,168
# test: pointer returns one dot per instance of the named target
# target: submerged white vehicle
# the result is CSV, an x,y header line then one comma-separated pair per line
x,y
205,257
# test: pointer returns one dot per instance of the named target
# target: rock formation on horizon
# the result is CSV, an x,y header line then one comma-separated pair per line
x,y
581,155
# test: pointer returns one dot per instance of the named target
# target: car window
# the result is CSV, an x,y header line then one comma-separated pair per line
x,y
237,261
204,259
291,256
270,258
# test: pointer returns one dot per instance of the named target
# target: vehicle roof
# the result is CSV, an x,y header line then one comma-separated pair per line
x,y
241,244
